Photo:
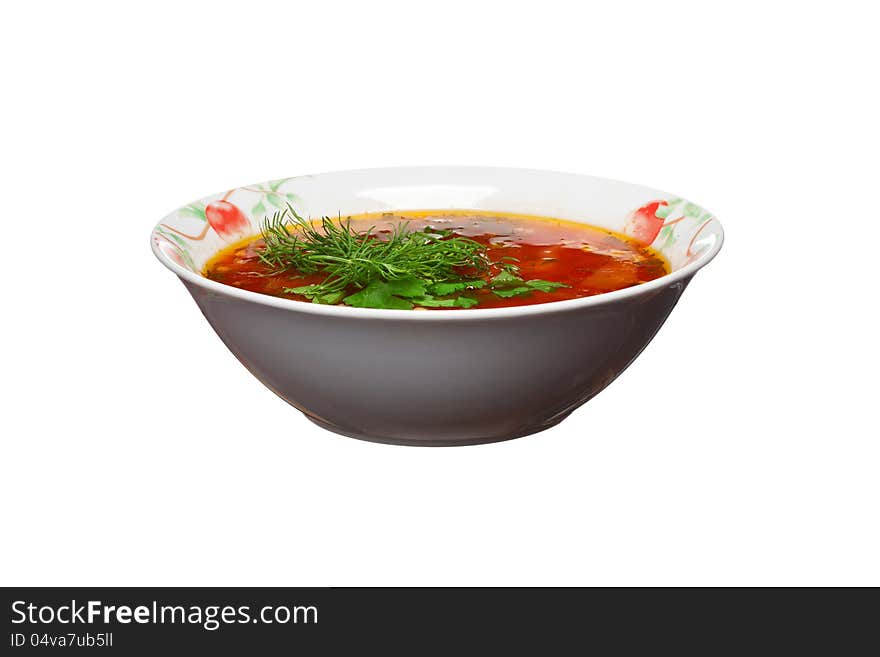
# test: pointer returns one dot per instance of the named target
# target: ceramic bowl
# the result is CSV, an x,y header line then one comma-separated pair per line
x,y
452,377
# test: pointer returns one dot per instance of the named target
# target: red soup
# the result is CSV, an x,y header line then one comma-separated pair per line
x,y
434,260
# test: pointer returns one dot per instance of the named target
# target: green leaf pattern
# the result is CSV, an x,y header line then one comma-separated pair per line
x,y
672,213
180,247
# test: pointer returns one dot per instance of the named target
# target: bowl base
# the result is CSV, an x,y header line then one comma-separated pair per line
x,y
442,442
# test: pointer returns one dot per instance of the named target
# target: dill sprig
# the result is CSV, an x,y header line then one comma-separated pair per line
x,y
353,259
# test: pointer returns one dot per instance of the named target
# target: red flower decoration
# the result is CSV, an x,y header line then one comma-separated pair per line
x,y
227,220
644,224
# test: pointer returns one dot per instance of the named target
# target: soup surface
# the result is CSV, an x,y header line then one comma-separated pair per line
x,y
504,260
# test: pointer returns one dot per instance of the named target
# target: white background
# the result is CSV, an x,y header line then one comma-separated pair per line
x,y
742,446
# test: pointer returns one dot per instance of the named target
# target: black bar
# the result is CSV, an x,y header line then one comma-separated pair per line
x,y
416,620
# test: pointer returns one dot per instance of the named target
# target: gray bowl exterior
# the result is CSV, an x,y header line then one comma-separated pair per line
x,y
451,382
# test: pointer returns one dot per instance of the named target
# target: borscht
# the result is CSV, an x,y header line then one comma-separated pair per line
x,y
433,260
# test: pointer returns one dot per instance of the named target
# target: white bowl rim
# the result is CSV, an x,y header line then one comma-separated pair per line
x,y
456,314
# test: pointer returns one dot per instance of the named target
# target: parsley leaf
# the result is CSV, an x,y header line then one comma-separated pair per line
x,y
378,294
408,286
449,287
544,286
403,294
505,279
316,294
513,292
429,301
507,284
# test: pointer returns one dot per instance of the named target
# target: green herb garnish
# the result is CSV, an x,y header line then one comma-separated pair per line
x,y
399,271
510,284
403,294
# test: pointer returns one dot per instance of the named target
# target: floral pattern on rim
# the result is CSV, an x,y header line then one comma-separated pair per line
x,y
663,223
224,217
